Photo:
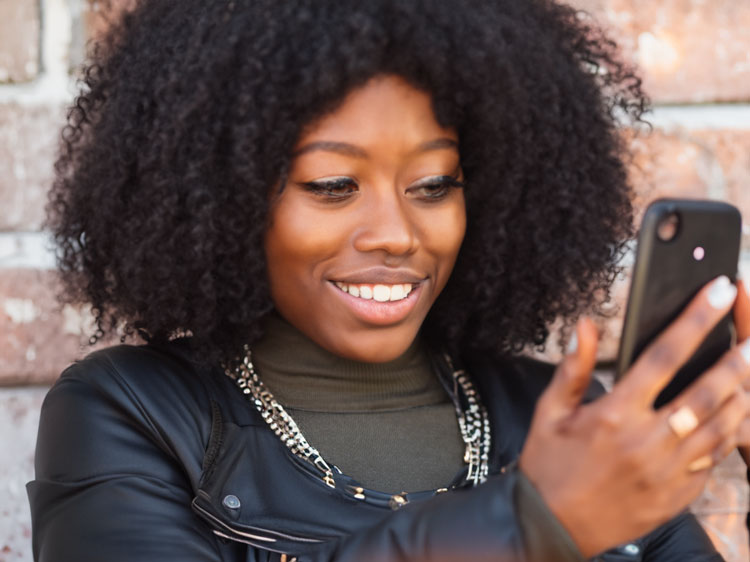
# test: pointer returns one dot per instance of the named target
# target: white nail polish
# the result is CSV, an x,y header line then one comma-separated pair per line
x,y
573,343
721,293
745,350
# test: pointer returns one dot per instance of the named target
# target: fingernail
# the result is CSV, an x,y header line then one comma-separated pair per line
x,y
745,350
701,463
573,343
721,293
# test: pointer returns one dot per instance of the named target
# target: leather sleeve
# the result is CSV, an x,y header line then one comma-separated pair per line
x,y
544,536
682,539
477,524
104,490
503,520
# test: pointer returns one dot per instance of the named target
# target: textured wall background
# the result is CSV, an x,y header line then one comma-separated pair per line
x,y
695,59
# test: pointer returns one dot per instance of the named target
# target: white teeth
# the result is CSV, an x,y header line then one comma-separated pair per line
x,y
381,293
397,292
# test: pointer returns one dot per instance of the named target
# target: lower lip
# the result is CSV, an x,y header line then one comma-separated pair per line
x,y
379,313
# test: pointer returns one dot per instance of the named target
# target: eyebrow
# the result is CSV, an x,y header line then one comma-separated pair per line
x,y
331,146
437,144
356,152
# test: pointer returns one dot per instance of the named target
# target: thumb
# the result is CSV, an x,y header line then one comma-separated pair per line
x,y
572,377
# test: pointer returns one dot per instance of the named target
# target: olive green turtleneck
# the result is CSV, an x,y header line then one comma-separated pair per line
x,y
391,426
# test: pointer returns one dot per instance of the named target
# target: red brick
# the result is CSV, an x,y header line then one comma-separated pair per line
x,y
732,153
688,50
27,149
39,338
670,165
19,40
709,164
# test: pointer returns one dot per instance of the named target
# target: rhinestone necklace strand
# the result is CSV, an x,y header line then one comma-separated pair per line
x,y
473,421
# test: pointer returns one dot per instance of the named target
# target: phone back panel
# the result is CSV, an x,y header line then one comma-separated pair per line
x,y
667,275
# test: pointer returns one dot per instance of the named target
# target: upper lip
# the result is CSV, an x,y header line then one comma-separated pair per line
x,y
382,275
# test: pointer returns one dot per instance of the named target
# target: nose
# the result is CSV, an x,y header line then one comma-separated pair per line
x,y
386,225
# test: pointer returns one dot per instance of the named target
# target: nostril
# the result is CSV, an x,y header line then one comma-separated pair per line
x,y
396,237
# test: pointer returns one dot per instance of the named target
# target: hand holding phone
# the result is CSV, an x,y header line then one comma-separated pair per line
x,y
616,468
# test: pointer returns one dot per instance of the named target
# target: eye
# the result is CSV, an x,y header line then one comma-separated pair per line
x,y
335,189
435,188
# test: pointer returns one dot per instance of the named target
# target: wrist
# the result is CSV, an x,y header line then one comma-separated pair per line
x,y
545,537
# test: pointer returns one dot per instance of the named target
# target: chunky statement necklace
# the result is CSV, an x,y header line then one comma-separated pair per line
x,y
472,417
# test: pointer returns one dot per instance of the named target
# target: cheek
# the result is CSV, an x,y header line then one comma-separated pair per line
x,y
286,254
446,235
296,242
288,263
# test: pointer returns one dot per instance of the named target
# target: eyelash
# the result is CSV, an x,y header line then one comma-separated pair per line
x,y
333,189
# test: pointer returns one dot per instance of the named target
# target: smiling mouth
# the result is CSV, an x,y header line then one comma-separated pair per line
x,y
378,292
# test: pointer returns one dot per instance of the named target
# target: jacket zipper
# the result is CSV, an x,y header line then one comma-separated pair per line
x,y
284,557
256,537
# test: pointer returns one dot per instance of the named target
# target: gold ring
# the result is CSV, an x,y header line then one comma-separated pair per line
x,y
683,421
701,463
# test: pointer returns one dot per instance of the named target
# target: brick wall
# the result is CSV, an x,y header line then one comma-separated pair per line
x,y
695,58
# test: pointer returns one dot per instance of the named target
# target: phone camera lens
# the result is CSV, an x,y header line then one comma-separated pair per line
x,y
668,227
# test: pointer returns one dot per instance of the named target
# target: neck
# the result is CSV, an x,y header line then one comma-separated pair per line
x,y
304,376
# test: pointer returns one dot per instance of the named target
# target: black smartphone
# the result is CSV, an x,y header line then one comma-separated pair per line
x,y
682,245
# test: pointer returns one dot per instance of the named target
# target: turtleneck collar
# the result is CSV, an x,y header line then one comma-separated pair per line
x,y
304,376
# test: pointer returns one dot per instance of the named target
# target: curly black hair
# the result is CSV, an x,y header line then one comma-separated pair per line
x,y
190,108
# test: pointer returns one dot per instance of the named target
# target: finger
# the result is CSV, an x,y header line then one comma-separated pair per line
x,y
656,366
573,375
717,385
743,439
715,457
742,311
743,434
715,438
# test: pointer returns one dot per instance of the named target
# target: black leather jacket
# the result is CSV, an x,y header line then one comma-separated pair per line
x,y
143,457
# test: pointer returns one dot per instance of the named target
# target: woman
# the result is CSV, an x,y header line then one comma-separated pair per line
x,y
362,214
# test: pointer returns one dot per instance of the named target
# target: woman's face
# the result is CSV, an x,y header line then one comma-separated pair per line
x,y
366,231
